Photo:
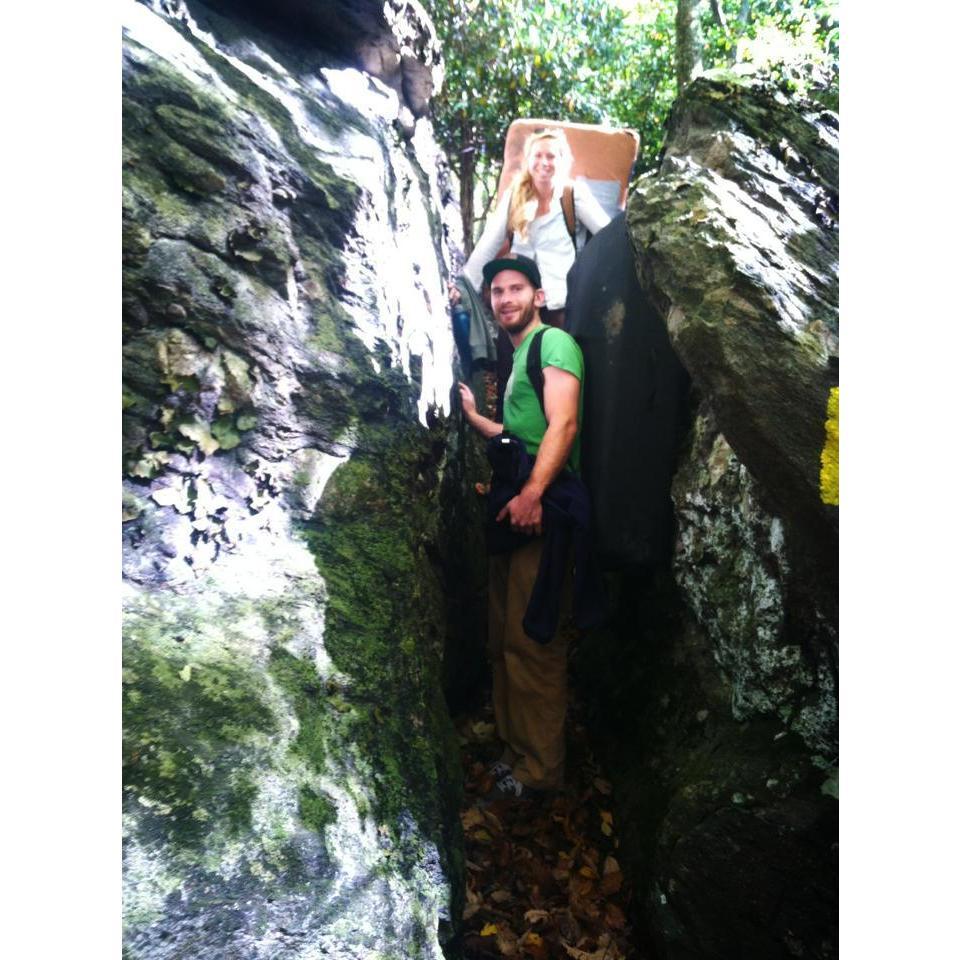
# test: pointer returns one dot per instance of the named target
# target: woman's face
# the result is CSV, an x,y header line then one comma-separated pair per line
x,y
542,163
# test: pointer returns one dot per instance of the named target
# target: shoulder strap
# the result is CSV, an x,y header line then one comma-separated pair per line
x,y
535,367
569,212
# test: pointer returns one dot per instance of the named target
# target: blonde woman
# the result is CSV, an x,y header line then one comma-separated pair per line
x,y
531,217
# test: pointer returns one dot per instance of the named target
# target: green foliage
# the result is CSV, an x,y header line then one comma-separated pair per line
x,y
596,61
507,59
797,41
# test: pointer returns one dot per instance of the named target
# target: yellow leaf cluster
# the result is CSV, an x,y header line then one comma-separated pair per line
x,y
830,456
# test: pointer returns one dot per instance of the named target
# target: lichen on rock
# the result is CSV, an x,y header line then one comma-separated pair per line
x,y
732,565
716,684
290,773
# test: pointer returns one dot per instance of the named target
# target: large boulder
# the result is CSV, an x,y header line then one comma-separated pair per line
x,y
716,685
291,776
737,240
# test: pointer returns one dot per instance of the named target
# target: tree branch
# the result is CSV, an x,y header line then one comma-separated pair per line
x,y
719,16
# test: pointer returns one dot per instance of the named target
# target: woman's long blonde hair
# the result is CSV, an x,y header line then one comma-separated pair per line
x,y
523,195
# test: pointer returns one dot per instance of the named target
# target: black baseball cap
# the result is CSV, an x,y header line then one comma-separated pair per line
x,y
514,261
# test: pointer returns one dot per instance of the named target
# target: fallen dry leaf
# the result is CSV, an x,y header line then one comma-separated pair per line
x,y
541,870
483,731
581,954
582,906
493,820
611,883
605,951
505,856
613,917
506,941
532,944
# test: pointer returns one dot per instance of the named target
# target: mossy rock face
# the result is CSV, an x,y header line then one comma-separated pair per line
x,y
291,776
714,690
737,240
719,719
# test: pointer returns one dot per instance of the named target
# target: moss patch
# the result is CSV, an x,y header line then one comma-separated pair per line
x,y
189,727
316,810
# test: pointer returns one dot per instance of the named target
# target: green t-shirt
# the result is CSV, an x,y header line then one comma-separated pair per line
x,y
522,415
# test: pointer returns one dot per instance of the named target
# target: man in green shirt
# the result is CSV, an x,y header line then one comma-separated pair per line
x,y
529,678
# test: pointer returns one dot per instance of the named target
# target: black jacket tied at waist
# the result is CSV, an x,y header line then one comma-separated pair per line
x,y
566,522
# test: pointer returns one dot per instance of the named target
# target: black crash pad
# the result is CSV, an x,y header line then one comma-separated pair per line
x,y
635,402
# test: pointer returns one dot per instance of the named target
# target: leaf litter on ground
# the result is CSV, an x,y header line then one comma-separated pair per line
x,y
543,880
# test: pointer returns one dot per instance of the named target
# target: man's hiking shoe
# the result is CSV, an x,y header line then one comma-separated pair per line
x,y
499,770
510,788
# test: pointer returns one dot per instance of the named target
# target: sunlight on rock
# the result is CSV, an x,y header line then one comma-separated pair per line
x,y
287,339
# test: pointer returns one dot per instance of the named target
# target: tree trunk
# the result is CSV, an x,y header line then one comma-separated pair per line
x,y
467,175
689,43
743,19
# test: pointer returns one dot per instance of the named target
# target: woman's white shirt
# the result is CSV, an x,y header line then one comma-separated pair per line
x,y
547,241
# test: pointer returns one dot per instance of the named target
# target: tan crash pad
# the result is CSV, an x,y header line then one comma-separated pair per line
x,y
599,153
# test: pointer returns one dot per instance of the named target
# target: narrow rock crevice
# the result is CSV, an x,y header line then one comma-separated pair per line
x,y
303,561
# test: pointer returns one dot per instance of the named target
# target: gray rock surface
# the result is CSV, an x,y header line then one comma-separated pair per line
x,y
738,244
290,774
717,684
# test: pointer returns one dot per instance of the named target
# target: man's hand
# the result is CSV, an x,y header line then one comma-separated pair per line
x,y
467,399
486,427
525,512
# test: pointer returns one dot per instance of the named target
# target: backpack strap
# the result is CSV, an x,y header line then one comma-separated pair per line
x,y
567,204
535,367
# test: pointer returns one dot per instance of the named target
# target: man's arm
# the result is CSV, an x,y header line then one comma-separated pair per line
x,y
561,400
486,427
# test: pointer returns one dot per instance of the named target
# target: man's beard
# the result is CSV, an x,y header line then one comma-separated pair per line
x,y
519,324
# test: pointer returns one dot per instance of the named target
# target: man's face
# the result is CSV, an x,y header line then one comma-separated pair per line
x,y
514,300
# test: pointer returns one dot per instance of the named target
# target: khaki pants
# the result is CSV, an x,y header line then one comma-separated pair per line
x,y
529,678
